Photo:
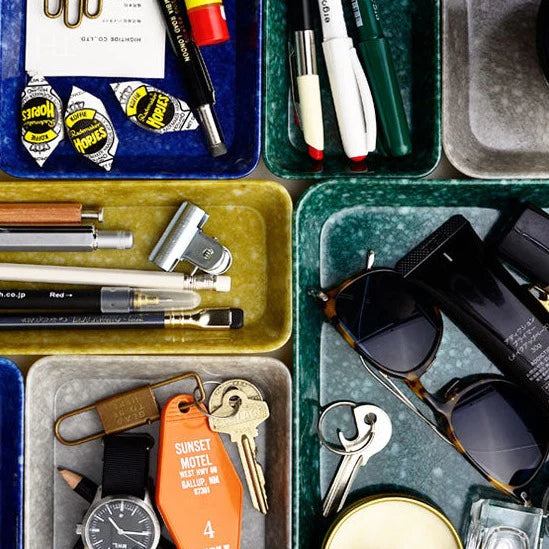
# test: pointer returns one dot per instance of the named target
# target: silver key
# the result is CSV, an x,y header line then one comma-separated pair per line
x,y
374,433
239,416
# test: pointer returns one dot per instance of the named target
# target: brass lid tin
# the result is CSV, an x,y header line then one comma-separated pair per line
x,y
331,539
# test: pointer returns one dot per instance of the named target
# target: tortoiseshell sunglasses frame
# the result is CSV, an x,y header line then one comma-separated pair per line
x,y
453,392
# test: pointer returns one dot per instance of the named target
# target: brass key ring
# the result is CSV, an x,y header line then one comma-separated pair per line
x,y
128,410
339,450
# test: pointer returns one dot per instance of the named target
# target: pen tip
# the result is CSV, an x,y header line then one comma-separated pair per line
x,y
217,149
315,154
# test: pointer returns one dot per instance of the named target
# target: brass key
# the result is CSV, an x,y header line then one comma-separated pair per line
x,y
239,416
216,398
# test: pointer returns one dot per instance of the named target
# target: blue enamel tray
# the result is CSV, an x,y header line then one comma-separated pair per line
x,y
11,455
235,68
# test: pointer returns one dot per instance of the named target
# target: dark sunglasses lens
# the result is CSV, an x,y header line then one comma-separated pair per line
x,y
390,325
501,431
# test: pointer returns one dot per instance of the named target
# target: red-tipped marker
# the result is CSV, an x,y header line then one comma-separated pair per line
x,y
315,154
358,158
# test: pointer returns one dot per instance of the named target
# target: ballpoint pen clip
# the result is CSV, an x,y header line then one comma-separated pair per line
x,y
366,100
293,82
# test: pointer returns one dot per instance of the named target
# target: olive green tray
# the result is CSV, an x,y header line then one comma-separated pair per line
x,y
335,225
251,218
412,28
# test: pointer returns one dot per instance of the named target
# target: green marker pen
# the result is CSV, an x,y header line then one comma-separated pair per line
x,y
375,52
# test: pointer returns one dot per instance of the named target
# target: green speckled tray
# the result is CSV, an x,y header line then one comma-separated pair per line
x,y
412,28
251,218
336,223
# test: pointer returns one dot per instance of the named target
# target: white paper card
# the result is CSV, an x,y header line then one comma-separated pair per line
x,y
126,40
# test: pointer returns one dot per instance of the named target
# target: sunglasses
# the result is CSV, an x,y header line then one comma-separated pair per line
x,y
397,330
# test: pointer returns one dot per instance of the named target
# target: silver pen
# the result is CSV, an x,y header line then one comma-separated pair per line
x,y
62,239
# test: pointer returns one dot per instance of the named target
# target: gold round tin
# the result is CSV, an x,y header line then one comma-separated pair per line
x,y
391,522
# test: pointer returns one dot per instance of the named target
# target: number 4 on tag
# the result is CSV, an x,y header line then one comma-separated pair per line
x,y
198,491
209,531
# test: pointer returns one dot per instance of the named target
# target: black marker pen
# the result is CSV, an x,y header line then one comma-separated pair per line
x,y
195,73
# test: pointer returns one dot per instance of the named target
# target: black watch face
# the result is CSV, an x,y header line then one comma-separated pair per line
x,y
120,524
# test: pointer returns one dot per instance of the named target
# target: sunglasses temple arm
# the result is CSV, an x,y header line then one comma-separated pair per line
x,y
384,380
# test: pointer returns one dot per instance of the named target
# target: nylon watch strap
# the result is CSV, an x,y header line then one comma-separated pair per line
x,y
126,465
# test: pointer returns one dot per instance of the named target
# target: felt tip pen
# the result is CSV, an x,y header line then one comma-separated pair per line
x,y
375,52
208,21
44,213
195,73
351,94
304,74
93,276
105,300
204,319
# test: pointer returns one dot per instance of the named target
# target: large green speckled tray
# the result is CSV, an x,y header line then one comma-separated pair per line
x,y
251,218
335,224
412,27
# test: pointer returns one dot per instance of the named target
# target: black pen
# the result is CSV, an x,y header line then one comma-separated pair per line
x,y
195,73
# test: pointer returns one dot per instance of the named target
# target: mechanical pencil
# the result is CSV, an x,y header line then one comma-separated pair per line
x,y
27,213
62,239
105,300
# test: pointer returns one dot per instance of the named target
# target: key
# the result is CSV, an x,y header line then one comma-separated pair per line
x,y
368,442
242,428
216,398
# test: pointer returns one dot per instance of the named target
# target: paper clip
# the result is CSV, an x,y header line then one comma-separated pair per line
x,y
128,410
83,11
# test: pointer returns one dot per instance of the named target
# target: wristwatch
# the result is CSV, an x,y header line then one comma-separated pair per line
x,y
121,515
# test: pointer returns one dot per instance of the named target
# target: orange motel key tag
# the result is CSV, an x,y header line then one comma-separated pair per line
x,y
198,491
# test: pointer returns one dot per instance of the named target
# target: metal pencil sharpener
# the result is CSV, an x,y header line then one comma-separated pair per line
x,y
183,240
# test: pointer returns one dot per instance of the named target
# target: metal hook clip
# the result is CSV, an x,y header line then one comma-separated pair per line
x,y
183,239
128,410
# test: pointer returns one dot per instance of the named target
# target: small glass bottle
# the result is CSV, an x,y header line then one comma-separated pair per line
x,y
501,525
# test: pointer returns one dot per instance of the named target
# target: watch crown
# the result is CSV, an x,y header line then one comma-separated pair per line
x,y
79,529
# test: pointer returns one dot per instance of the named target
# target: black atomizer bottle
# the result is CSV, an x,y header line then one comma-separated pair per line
x,y
484,300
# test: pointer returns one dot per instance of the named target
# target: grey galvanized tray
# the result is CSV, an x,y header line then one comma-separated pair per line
x,y
58,384
495,108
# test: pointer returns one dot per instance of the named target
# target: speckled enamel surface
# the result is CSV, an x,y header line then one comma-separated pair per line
x,y
11,454
251,218
495,114
235,69
336,223
412,29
